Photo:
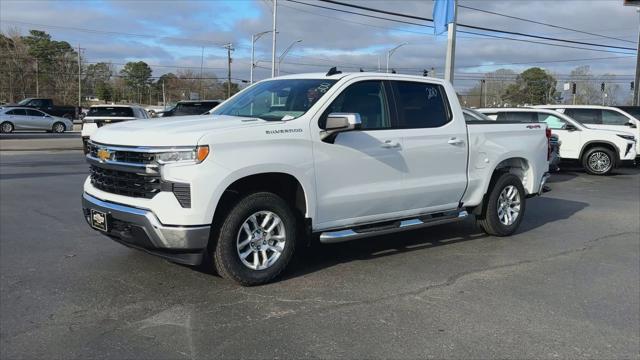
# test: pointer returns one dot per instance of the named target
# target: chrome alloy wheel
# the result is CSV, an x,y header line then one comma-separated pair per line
x,y
599,162
261,240
508,205
58,128
7,127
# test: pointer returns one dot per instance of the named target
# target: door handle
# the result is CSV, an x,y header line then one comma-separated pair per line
x,y
390,144
455,141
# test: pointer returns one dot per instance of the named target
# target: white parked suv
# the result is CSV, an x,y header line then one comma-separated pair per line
x,y
600,117
599,151
333,157
100,115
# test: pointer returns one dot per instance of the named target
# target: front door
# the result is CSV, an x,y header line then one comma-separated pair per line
x,y
359,175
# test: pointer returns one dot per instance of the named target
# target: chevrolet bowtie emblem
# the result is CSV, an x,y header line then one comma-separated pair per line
x,y
104,154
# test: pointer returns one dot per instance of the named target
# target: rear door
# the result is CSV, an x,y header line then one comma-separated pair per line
x,y
435,147
19,119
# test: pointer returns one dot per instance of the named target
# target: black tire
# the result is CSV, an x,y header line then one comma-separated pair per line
x,y
593,166
6,127
491,223
58,127
226,257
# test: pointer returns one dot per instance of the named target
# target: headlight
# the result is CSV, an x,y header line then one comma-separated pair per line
x,y
628,137
195,155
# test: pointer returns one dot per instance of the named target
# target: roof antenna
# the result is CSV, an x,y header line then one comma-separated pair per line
x,y
333,71
361,70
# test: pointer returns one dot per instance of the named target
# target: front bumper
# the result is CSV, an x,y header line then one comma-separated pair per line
x,y
141,229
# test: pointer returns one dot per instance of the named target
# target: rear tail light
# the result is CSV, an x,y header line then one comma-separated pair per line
x,y
548,134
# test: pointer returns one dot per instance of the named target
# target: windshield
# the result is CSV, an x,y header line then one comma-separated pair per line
x,y
111,111
25,101
632,110
276,100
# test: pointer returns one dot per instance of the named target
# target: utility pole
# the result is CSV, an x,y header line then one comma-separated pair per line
x,y
636,93
483,91
451,46
37,80
201,66
273,43
229,48
164,99
79,79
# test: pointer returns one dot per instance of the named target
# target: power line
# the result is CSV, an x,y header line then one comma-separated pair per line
x,y
459,24
545,24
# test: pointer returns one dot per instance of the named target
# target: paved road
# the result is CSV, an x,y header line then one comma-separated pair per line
x,y
33,135
567,285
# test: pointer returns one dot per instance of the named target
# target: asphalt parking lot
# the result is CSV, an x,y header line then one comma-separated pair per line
x,y
567,285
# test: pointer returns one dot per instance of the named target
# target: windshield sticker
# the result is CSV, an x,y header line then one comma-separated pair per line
x,y
431,93
323,87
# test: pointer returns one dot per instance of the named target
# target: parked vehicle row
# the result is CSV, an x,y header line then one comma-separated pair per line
x,y
598,150
25,118
600,117
335,157
48,106
189,107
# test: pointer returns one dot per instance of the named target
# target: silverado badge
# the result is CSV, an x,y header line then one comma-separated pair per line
x,y
104,154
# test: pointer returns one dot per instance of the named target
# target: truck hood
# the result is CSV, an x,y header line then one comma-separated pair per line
x,y
171,131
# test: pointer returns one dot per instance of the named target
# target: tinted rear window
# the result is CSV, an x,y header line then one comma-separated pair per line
x,y
111,111
523,117
585,116
196,108
19,112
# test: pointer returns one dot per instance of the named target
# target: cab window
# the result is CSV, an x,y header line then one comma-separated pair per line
x,y
421,105
553,122
367,98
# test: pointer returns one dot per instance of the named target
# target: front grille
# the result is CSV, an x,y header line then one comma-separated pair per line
x,y
132,157
125,183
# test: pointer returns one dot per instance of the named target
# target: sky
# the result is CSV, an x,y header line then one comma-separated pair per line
x,y
175,35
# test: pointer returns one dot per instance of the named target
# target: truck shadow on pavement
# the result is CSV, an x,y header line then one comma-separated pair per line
x,y
540,211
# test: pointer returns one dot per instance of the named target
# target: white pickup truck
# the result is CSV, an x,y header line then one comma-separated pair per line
x,y
289,160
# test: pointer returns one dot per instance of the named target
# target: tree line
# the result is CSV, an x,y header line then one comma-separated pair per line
x,y
535,86
35,65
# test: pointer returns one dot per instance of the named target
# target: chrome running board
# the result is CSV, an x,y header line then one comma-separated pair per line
x,y
386,227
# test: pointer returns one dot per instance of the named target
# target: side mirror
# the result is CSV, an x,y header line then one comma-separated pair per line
x,y
340,122
570,127
631,124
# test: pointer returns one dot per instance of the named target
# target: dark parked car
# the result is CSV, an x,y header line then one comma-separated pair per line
x,y
190,107
47,106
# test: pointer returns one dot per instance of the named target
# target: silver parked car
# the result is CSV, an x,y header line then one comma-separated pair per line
x,y
23,118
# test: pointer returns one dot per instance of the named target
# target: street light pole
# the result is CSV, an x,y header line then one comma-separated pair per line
x,y
284,53
255,38
390,52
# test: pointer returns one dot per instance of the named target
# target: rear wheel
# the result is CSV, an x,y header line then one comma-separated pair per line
x,y
505,206
598,161
58,127
6,127
257,239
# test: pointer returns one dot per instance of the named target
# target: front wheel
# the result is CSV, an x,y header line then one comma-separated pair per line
x,y
505,206
257,239
598,161
58,127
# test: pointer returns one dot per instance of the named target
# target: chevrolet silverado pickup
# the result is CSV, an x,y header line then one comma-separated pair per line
x,y
301,158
